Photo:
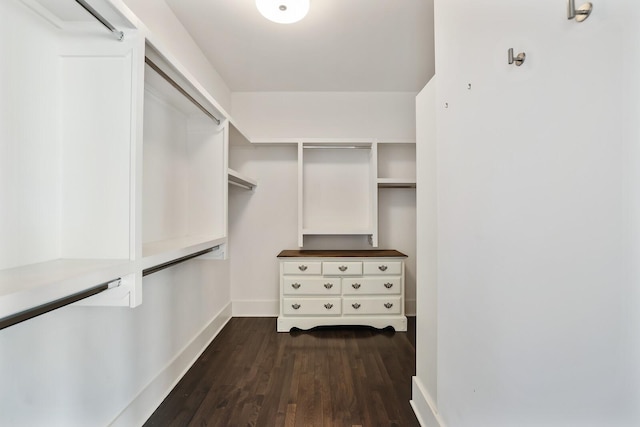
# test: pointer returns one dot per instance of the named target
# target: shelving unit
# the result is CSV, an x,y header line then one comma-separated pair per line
x,y
115,166
397,164
184,170
324,167
235,178
66,110
240,180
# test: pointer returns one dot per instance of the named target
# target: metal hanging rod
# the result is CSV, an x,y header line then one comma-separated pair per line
x,y
13,319
159,267
119,34
179,88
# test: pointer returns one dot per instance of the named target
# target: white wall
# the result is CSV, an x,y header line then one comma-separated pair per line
x,y
169,31
426,251
538,215
263,223
325,114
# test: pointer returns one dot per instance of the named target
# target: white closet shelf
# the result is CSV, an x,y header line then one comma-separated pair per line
x,y
163,251
396,183
30,286
336,231
240,180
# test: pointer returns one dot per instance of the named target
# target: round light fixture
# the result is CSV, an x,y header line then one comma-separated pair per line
x,y
283,11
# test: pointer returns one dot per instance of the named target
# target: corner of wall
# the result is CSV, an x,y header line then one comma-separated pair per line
x,y
423,406
152,395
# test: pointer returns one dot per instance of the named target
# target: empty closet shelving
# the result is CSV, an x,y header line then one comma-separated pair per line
x,y
396,164
67,138
184,167
236,178
337,192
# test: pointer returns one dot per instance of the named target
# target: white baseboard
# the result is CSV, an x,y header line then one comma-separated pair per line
x,y
256,308
148,400
423,405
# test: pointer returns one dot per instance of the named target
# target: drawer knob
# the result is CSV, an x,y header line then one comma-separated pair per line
x,y
388,305
328,285
328,306
356,285
295,285
382,267
388,285
343,268
355,305
302,267
295,306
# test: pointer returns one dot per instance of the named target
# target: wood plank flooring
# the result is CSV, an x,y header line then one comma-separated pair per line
x,y
251,375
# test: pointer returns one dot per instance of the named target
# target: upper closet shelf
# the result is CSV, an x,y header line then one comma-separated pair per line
x,y
239,180
160,252
23,288
396,183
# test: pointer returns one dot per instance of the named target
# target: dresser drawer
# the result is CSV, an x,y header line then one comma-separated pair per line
x,y
367,306
342,268
390,268
311,306
372,285
302,267
311,286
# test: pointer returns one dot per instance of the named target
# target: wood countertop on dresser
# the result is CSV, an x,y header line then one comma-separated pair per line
x,y
337,253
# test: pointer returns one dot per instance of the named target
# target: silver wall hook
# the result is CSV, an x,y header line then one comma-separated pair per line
x,y
519,60
579,14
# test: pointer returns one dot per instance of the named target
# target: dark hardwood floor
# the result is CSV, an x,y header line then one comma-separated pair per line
x,y
251,375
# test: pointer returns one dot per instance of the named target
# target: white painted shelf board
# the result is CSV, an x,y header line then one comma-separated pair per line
x,y
396,183
396,141
325,141
237,137
156,253
335,231
237,178
30,286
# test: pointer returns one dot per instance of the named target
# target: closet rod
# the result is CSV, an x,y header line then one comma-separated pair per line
x,y
155,269
103,21
179,88
30,313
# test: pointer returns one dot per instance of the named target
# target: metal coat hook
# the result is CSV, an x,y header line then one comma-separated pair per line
x,y
519,60
579,14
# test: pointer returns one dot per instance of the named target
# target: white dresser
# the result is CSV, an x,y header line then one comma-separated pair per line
x,y
341,287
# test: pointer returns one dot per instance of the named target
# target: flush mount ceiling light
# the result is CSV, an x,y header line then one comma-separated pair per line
x,y
283,11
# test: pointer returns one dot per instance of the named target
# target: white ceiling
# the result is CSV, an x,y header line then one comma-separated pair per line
x,y
341,45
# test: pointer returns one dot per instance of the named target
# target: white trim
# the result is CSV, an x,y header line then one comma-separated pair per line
x,y
396,141
256,308
423,406
152,395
